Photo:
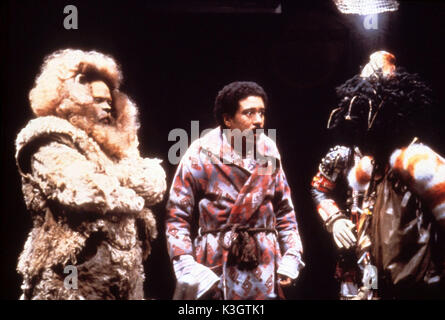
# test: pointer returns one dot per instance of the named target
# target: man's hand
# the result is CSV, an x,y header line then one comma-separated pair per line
x,y
343,236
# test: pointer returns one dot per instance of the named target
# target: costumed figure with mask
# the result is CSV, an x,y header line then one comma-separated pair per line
x,y
402,214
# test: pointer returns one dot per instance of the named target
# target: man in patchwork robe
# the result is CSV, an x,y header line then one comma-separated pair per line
x,y
247,244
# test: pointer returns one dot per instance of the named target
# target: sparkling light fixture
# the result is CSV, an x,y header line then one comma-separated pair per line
x,y
366,7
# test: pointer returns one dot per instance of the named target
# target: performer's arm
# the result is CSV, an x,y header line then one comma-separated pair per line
x,y
180,205
423,170
287,227
327,208
68,177
144,175
323,184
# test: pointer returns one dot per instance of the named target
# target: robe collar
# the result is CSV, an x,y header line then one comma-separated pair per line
x,y
216,143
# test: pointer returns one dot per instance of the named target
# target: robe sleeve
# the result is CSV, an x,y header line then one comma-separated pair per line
x,y
180,206
287,227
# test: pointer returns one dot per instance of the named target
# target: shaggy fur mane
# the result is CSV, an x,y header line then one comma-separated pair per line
x,y
55,93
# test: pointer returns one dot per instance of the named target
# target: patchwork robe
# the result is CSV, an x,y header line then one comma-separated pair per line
x,y
227,189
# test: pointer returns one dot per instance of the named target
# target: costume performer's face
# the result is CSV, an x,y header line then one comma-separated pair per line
x,y
102,102
250,115
93,108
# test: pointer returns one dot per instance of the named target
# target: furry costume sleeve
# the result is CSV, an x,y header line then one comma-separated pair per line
x,y
66,176
143,175
360,175
424,171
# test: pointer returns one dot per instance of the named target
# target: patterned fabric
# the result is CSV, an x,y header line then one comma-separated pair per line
x,y
333,168
322,183
228,189
336,162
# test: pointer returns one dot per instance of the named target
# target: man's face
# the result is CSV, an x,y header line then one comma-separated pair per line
x,y
250,115
102,102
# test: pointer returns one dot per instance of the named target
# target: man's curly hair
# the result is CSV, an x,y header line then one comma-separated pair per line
x,y
227,100
57,92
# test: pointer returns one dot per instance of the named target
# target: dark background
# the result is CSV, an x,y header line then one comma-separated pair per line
x,y
175,58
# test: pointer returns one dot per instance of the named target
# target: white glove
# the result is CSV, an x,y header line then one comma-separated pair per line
x,y
343,236
186,288
193,278
290,266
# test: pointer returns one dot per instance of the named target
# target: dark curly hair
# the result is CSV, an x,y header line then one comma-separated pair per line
x,y
227,100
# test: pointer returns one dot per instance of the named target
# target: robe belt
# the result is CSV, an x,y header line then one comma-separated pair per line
x,y
237,227
243,248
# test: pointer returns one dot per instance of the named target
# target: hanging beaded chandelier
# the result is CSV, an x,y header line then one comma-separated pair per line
x,y
366,7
